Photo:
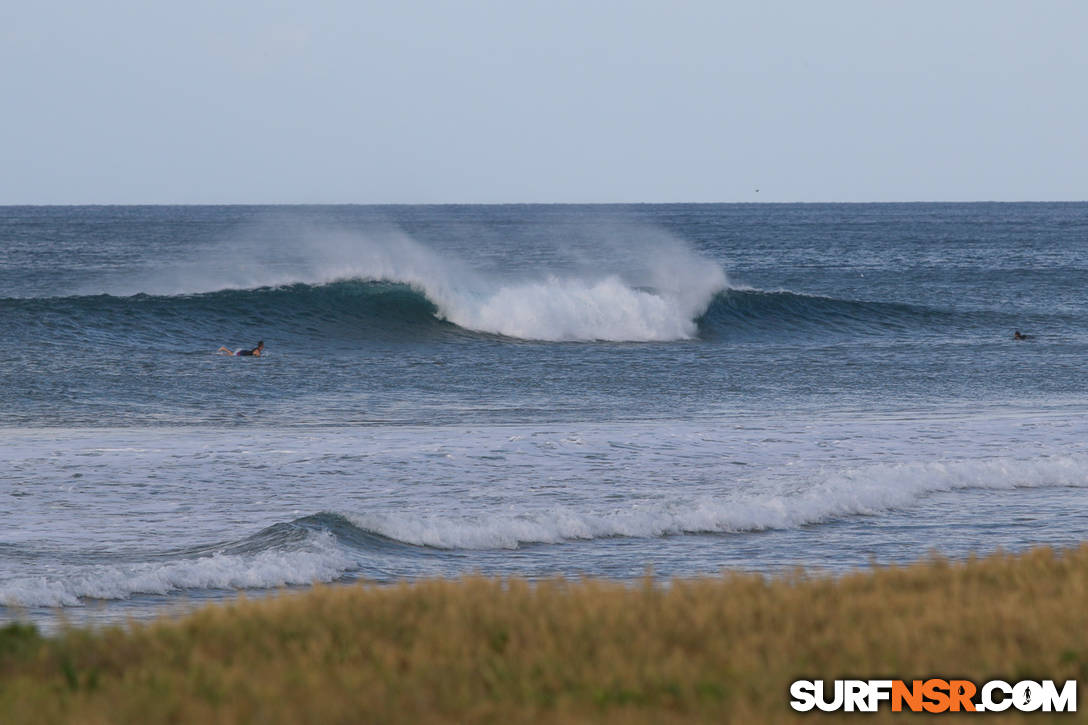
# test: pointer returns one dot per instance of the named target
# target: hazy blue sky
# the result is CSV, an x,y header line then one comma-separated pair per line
x,y
244,101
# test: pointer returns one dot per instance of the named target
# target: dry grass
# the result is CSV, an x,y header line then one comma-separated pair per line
x,y
482,650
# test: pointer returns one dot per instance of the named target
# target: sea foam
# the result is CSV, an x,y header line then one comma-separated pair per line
x,y
663,287
325,555
321,560
864,490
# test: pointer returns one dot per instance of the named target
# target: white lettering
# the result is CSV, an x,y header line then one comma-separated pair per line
x,y
823,703
878,690
992,705
1027,696
1065,701
994,696
803,693
856,697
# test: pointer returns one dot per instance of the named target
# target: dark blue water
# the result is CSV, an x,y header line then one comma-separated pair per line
x,y
529,390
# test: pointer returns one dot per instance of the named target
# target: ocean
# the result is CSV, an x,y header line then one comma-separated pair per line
x,y
527,390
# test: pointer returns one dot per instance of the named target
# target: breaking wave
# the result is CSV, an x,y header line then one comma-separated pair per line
x,y
333,546
657,294
555,309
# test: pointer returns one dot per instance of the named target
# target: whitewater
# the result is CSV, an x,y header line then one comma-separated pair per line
x,y
527,391
657,298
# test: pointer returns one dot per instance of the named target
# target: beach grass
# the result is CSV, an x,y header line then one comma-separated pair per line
x,y
714,649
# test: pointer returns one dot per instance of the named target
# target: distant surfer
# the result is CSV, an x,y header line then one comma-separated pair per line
x,y
1017,336
256,352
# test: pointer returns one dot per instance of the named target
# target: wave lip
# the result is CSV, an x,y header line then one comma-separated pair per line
x,y
552,309
654,291
391,285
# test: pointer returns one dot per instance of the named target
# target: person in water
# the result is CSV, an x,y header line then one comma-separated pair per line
x,y
1017,336
255,352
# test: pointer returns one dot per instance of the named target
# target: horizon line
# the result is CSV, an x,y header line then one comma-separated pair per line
x,y
539,203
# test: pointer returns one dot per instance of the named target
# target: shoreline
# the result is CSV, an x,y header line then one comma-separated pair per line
x,y
703,649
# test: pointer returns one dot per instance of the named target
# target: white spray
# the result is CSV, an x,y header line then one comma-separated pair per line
x,y
641,285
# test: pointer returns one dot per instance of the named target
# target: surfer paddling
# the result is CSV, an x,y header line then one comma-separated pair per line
x,y
1018,336
255,352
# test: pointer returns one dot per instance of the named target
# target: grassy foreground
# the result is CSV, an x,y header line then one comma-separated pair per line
x,y
718,649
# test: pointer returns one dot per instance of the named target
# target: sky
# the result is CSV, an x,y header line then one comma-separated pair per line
x,y
525,101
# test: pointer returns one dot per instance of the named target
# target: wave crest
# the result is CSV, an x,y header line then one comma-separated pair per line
x,y
862,491
654,292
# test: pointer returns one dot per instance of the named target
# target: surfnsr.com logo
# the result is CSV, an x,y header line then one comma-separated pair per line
x,y
933,696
